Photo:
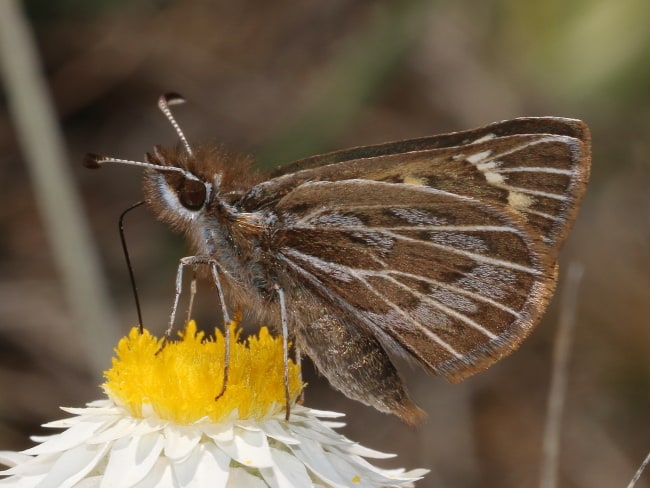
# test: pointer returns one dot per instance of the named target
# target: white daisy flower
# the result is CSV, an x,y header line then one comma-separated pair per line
x,y
161,426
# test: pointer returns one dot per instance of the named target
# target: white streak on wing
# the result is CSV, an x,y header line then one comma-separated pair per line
x,y
316,282
476,257
569,141
538,193
455,289
449,311
534,169
478,157
491,172
490,165
486,137
543,214
336,271
432,228
494,178
361,182
434,337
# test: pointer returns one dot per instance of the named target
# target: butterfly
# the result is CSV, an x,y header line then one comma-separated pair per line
x,y
441,249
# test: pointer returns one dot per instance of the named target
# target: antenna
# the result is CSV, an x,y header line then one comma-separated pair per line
x,y
95,161
164,102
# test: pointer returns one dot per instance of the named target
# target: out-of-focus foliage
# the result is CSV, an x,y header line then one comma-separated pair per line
x,y
284,79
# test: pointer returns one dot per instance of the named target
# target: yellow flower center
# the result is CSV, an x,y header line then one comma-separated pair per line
x,y
181,382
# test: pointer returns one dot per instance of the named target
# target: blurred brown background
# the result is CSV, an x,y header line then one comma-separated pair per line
x,y
281,80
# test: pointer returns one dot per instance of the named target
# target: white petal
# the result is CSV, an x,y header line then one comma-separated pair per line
x,y
149,425
219,432
90,482
206,467
124,427
248,448
73,465
287,471
313,456
43,438
74,436
328,437
24,481
366,452
311,412
12,458
102,402
369,475
333,425
108,408
240,478
131,459
35,466
161,476
280,432
64,423
179,441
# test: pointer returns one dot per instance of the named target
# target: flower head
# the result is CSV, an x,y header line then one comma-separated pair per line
x,y
162,426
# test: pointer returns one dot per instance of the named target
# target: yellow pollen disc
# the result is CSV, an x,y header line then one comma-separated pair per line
x,y
181,382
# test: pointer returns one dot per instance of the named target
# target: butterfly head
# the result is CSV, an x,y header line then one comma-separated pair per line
x,y
181,184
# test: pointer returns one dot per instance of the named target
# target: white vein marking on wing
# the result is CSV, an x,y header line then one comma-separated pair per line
x,y
432,228
361,274
543,214
432,335
569,141
448,310
484,138
538,193
344,303
478,157
532,169
483,159
458,290
476,257
362,182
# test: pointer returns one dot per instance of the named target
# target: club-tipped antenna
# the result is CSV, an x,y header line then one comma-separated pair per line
x,y
164,102
94,161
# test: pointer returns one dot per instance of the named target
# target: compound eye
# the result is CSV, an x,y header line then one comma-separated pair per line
x,y
192,194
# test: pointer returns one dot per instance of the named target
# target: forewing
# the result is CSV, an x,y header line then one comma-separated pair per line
x,y
560,126
537,168
455,282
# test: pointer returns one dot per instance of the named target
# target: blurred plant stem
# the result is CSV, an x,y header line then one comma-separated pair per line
x,y
57,198
560,377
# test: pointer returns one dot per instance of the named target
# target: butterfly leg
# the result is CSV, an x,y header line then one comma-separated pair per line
x,y
186,261
285,348
192,295
214,269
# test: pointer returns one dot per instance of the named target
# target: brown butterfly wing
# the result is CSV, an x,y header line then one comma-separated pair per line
x,y
454,282
445,253
538,167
